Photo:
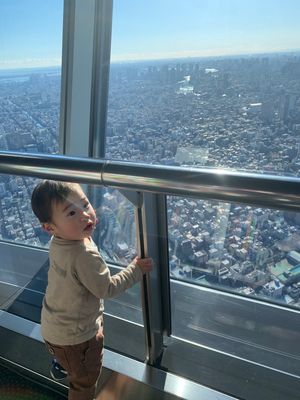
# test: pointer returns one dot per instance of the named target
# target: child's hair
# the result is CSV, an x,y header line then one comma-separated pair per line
x,y
45,194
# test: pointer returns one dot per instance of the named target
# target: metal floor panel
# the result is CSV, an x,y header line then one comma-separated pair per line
x,y
122,387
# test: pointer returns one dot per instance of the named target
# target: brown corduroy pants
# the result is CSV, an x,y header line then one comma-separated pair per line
x,y
83,362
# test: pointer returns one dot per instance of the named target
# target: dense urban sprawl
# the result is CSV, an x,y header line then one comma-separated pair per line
x,y
241,113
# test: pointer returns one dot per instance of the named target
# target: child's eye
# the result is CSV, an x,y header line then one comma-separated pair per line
x,y
86,205
71,213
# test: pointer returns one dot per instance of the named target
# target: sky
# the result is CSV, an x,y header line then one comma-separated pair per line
x,y
30,33
31,30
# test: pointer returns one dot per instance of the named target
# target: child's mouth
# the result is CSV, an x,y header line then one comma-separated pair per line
x,y
89,226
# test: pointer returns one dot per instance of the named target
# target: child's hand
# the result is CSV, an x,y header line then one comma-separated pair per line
x,y
145,264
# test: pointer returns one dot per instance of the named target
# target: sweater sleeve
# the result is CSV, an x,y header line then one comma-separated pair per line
x,y
92,272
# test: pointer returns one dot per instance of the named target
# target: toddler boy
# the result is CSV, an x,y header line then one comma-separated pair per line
x,y
78,280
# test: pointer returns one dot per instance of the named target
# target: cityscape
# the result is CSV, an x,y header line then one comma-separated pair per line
x,y
241,113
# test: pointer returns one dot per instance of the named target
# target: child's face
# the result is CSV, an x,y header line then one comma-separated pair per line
x,y
74,218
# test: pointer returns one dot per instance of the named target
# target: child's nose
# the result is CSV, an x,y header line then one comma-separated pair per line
x,y
84,215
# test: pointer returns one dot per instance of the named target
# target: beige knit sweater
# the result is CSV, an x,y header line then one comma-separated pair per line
x,y
78,280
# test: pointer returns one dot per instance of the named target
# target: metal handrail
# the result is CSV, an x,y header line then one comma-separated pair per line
x,y
272,191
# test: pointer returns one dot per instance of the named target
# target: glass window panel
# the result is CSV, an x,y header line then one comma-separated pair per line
x,y
212,84
116,238
126,306
24,278
30,75
18,224
235,279
246,250
243,327
30,78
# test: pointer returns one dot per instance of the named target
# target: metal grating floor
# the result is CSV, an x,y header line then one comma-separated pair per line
x,y
15,387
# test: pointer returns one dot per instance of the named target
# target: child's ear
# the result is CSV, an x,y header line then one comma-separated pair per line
x,y
48,228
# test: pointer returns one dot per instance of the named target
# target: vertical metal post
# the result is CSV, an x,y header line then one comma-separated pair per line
x,y
100,81
152,242
76,85
100,77
66,71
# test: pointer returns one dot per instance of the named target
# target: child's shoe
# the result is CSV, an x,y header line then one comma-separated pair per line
x,y
57,371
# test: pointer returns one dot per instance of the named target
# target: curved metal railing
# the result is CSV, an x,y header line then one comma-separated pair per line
x,y
241,187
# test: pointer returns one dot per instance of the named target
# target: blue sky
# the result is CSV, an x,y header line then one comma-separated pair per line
x,y
30,33
203,27
31,30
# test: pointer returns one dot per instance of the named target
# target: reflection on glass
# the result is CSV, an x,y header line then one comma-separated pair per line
x,y
115,236
244,327
115,233
126,306
23,279
247,250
